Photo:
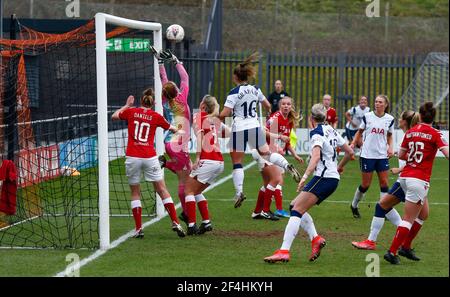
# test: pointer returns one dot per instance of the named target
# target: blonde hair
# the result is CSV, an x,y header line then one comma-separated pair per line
x,y
211,105
246,70
148,98
411,118
293,116
319,112
386,99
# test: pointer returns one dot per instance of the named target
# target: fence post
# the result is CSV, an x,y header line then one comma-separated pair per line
x,y
341,75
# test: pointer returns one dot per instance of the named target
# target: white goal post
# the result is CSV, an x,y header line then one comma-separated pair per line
x,y
101,20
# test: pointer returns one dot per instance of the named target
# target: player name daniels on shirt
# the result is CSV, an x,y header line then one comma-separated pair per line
x,y
142,116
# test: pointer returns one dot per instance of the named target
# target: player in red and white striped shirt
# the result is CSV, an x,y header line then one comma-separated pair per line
x,y
418,149
208,164
141,156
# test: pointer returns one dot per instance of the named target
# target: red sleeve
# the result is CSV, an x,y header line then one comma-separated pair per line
x,y
440,140
124,115
404,144
161,122
333,115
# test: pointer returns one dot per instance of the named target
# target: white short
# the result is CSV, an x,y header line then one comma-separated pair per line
x,y
207,171
263,163
135,166
415,189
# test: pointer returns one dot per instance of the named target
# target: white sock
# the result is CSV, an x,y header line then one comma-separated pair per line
x,y
279,160
135,203
358,197
238,180
375,228
394,217
290,232
307,224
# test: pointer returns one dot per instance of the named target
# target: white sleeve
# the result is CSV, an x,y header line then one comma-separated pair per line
x,y
316,140
363,123
231,101
261,96
391,126
340,140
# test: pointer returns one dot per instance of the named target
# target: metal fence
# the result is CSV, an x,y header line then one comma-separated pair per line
x,y
308,77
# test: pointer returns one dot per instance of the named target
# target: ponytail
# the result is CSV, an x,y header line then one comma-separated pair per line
x,y
246,70
411,118
148,98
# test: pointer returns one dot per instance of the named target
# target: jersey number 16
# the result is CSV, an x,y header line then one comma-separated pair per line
x,y
249,109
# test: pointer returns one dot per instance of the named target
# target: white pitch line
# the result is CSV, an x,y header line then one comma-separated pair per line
x,y
98,253
333,201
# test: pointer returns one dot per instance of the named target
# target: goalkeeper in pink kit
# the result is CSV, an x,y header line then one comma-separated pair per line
x,y
178,114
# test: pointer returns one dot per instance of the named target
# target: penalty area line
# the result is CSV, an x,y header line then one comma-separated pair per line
x,y
98,253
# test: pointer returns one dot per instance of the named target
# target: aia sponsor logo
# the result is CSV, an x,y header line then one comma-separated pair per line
x,y
377,131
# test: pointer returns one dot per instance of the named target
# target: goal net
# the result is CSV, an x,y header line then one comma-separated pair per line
x,y
57,97
429,84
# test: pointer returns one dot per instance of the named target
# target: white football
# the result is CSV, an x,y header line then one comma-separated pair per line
x,y
175,33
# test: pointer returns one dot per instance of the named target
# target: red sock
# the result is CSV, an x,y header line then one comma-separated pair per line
x,y
170,207
270,191
400,236
412,234
182,197
260,201
136,209
202,206
278,198
190,209
137,215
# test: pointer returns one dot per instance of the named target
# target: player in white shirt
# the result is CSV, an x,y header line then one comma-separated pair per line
x,y
354,117
242,102
376,128
323,143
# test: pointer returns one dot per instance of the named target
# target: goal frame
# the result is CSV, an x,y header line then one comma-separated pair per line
x,y
101,20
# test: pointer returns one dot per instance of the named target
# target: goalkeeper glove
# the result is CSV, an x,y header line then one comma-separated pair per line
x,y
161,56
172,57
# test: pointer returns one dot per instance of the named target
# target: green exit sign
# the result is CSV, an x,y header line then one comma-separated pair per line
x,y
127,45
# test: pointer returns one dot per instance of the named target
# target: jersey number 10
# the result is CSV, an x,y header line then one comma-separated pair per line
x,y
141,131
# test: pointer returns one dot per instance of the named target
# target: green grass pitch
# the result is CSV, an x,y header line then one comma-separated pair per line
x,y
238,244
